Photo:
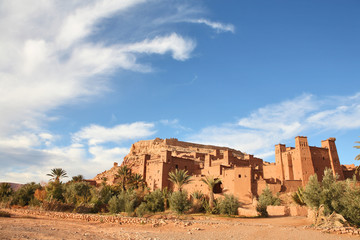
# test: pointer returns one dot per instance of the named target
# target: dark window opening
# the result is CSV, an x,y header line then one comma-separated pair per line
x,y
239,176
218,188
177,166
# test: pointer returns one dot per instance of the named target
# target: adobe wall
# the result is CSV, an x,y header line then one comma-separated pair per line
x,y
291,185
262,184
321,160
270,171
238,181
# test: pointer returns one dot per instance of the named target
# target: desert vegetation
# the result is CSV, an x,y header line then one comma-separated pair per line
x,y
129,195
331,196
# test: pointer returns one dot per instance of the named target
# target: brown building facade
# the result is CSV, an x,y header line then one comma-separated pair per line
x,y
241,174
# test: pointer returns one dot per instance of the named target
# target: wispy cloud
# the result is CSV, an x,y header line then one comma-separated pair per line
x,y
96,134
276,123
218,26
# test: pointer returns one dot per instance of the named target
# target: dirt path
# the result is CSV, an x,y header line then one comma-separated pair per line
x,y
29,227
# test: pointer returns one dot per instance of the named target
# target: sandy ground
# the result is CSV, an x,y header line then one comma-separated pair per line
x,y
29,227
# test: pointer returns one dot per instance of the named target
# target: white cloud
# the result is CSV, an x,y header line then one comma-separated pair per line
x,y
276,123
218,26
48,58
96,134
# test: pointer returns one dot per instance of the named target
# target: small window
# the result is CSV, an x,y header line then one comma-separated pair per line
x,y
239,176
177,166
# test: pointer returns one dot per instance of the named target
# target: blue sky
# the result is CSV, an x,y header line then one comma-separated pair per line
x,y
80,81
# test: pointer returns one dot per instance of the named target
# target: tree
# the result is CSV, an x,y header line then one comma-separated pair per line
x,y
5,190
78,178
57,173
210,181
179,178
137,181
124,177
357,157
266,198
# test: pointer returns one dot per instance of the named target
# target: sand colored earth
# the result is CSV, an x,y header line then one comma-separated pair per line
x,y
20,226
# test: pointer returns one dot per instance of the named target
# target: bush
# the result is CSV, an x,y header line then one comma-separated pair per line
x,y
5,192
266,198
155,201
25,194
197,198
179,202
141,210
350,201
298,197
229,205
54,191
126,201
340,197
78,193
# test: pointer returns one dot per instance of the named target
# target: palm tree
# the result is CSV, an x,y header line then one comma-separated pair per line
x,y
179,178
210,181
57,173
357,157
78,178
5,190
124,176
137,181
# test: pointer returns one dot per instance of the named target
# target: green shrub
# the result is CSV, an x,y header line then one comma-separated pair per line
x,y
335,196
78,193
197,198
25,194
126,201
179,202
54,191
155,201
266,198
5,192
141,210
326,193
298,197
229,205
350,201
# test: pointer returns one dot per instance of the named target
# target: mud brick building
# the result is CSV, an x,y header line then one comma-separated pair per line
x,y
241,174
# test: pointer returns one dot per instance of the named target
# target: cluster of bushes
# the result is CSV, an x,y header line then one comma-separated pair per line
x,y
342,197
266,198
126,196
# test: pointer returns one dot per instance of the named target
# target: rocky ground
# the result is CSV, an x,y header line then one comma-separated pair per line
x,y
24,226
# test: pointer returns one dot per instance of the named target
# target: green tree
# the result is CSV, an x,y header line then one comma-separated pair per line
x,y
5,191
179,202
266,198
229,205
210,181
78,178
179,178
357,157
25,195
124,177
56,174
54,191
137,181
78,193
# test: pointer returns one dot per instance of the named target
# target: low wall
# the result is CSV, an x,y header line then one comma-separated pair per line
x,y
292,185
277,211
86,217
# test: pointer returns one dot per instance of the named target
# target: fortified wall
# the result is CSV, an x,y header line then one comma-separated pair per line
x,y
241,174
